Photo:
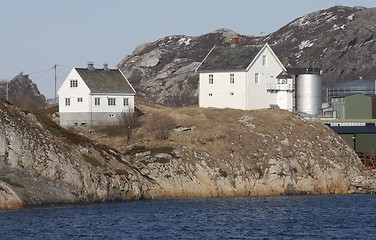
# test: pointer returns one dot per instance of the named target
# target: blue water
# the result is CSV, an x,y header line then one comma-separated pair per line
x,y
283,217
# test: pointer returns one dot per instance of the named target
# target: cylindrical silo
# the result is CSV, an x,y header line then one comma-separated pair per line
x,y
308,93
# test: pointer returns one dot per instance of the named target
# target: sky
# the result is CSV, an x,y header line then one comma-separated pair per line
x,y
38,34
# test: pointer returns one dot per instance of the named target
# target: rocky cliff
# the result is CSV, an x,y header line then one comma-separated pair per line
x,y
339,40
39,166
22,92
210,152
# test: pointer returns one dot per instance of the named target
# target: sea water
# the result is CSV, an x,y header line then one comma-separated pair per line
x,y
282,217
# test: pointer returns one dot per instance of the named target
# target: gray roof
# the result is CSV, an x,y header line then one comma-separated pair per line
x,y
105,81
356,84
303,70
284,75
223,58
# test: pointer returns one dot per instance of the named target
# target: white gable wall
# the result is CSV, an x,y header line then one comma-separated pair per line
x,y
73,93
221,93
258,96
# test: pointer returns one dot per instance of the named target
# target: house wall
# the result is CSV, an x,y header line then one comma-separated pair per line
x,y
223,93
97,114
68,119
285,99
258,95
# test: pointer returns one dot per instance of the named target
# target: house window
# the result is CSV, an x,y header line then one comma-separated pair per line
x,y
67,102
97,101
210,94
256,78
79,99
111,101
264,62
111,115
73,83
231,94
125,101
232,78
211,79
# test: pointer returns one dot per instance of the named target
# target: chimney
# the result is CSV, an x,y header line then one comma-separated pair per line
x,y
90,66
234,42
105,67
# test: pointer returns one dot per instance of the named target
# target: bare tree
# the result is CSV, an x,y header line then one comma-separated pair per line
x,y
129,122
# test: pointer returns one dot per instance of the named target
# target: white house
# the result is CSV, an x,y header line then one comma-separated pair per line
x,y
90,96
244,77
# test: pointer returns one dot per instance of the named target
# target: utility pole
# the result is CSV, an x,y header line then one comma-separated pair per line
x,y
55,81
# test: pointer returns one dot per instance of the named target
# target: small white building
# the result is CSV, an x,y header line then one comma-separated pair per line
x,y
91,96
244,77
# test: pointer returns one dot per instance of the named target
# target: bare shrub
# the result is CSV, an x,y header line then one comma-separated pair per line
x,y
129,122
161,125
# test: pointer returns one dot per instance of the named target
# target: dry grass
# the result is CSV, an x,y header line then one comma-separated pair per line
x,y
217,131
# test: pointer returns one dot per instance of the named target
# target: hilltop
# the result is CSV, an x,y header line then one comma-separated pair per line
x,y
22,92
339,40
203,153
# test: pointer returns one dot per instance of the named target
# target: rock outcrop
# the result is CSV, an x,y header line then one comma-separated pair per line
x,y
212,153
42,167
22,92
265,152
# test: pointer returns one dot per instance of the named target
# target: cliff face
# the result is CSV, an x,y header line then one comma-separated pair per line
x,y
339,40
37,167
22,92
211,153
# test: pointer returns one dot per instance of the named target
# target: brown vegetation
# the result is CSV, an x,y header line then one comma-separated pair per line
x,y
129,122
160,125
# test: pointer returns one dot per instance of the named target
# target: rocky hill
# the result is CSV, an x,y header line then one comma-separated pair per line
x,y
339,40
208,152
21,91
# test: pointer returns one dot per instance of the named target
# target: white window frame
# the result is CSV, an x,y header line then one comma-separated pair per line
x,y
210,94
211,79
264,60
257,78
97,101
67,102
232,78
232,94
126,101
111,101
73,83
79,99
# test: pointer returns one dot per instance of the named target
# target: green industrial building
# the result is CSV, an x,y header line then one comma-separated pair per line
x,y
361,142
355,106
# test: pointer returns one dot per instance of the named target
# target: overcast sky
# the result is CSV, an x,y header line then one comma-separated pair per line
x,y
37,34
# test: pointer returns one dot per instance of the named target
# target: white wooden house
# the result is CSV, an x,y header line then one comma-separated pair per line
x,y
244,77
91,96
